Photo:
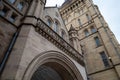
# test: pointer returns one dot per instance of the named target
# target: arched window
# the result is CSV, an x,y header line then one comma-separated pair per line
x,y
20,6
11,1
88,17
86,32
63,34
56,27
49,22
97,41
93,30
104,59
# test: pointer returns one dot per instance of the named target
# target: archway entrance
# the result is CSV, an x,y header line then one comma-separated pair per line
x,y
52,65
46,73
51,71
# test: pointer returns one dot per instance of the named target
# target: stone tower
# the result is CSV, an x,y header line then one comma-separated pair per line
x,y
98,44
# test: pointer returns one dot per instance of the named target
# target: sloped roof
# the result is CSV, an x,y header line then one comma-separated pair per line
x,y
66,2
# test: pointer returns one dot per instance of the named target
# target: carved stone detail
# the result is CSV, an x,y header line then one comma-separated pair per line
x,y
52,36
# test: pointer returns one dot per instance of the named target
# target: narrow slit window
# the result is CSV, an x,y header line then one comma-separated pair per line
x,y
86,32
97,41
104,59
63,34
79,21
56,27
49,22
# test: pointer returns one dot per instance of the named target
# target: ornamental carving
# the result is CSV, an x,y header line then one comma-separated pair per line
x,y
52,36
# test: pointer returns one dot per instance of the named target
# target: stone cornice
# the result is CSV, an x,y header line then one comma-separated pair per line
x,y
43,29
52,36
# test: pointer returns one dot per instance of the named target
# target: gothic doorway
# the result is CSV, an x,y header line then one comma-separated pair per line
x,y
51,71
52,65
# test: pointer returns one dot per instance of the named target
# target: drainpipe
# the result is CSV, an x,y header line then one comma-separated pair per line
x,y
6,56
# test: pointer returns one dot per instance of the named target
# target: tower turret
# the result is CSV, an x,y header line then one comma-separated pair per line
x,y
73,36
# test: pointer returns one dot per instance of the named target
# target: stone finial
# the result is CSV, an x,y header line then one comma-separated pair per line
x,y
71,28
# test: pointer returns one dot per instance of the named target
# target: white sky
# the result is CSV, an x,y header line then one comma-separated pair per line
x,y
54,2
110,10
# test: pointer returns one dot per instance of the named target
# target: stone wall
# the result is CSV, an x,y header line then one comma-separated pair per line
x,y
28,46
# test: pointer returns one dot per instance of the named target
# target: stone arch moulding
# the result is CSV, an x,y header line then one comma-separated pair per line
x,y
48,17
56,20
55,57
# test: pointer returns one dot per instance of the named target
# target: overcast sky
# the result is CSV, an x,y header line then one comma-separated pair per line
x,y
110,10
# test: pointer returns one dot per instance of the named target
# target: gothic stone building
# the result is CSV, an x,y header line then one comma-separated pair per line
x,y
72,42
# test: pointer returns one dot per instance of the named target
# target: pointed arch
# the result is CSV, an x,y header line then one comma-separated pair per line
x,y
56,25
49,21
65,66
